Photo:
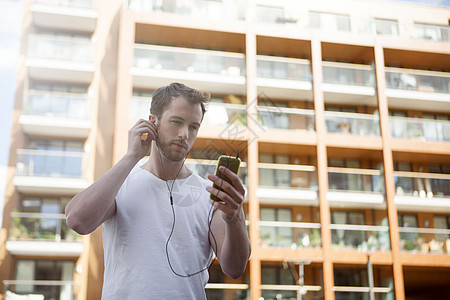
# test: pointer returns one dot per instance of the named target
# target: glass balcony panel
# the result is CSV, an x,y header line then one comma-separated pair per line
x,y
285,118
41,226
360,237
289,234
50,163
339,73
283,68
60,48
189,60
424,185
225,114
361,295
56,104
415,80
290,176
412,128
35,289
360,180
352,123
68,3
425,240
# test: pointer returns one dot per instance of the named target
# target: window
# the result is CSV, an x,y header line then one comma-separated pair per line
x,y
386,27
277,276
269,14
32,270
343,181
408,220
439,187
329,21
442,222
403,185
347,237
432,32
274,177
273,119
276,236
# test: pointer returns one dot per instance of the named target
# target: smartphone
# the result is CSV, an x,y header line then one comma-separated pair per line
x,y
230,162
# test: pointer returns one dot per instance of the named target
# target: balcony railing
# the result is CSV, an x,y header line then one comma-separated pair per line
x,y
287,176
360,237
425,240
285,118
225,114
356,180
352,123
423,129
422,185
361,292
66,3
283,68
63,48
50,163
288,291
432,32
41,226
348,74
290,234
45,103
40,289
217,10
226,290
189,60
418,80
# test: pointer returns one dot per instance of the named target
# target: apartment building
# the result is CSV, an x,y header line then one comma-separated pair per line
x,y
340,111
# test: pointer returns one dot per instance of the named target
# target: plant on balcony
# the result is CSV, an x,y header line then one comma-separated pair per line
x,y
18,230
315,238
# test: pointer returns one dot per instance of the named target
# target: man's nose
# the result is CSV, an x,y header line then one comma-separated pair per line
x,y
183,133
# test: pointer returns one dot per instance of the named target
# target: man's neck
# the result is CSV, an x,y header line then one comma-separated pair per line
x,y
163,168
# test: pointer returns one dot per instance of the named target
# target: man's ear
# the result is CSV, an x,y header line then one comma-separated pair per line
x,y
152,118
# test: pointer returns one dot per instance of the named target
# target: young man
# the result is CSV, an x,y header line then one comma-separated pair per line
x,y
159,226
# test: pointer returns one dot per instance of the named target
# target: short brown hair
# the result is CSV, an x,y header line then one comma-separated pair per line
x,y
162,97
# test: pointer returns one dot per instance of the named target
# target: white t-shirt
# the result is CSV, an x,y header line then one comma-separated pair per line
x,y
134,239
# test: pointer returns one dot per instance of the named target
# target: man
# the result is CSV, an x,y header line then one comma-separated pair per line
x,y
159,226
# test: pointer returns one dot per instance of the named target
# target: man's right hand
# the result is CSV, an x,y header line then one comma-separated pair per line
x,y
140,138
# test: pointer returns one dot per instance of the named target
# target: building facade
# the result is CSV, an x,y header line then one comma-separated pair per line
x,y
340,111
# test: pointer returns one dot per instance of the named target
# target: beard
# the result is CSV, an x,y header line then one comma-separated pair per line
x,y
171,151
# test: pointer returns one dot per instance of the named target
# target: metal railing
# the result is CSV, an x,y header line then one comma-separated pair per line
x,y
361,292
288,291
418,80
51,163
424,185
64,48
41,226
285,118
283,68
360,237
40,289
425,240
189,60
352,123
348,74
422,129
355,179
47,103
287,176
290,234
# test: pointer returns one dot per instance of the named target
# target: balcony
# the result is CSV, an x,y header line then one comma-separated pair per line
x,y
273,117
362,238
60,58
355,188
346,83
288,291
282,77
42,234
287,184
214,71
40,289
432,32
74,15
55,114
418,191
215,10
361,292
420,129
50,172
424,240
293,235
418,89
203,167
223,114
352,123
226,290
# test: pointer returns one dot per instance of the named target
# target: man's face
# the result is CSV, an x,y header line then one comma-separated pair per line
x,y
178,128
